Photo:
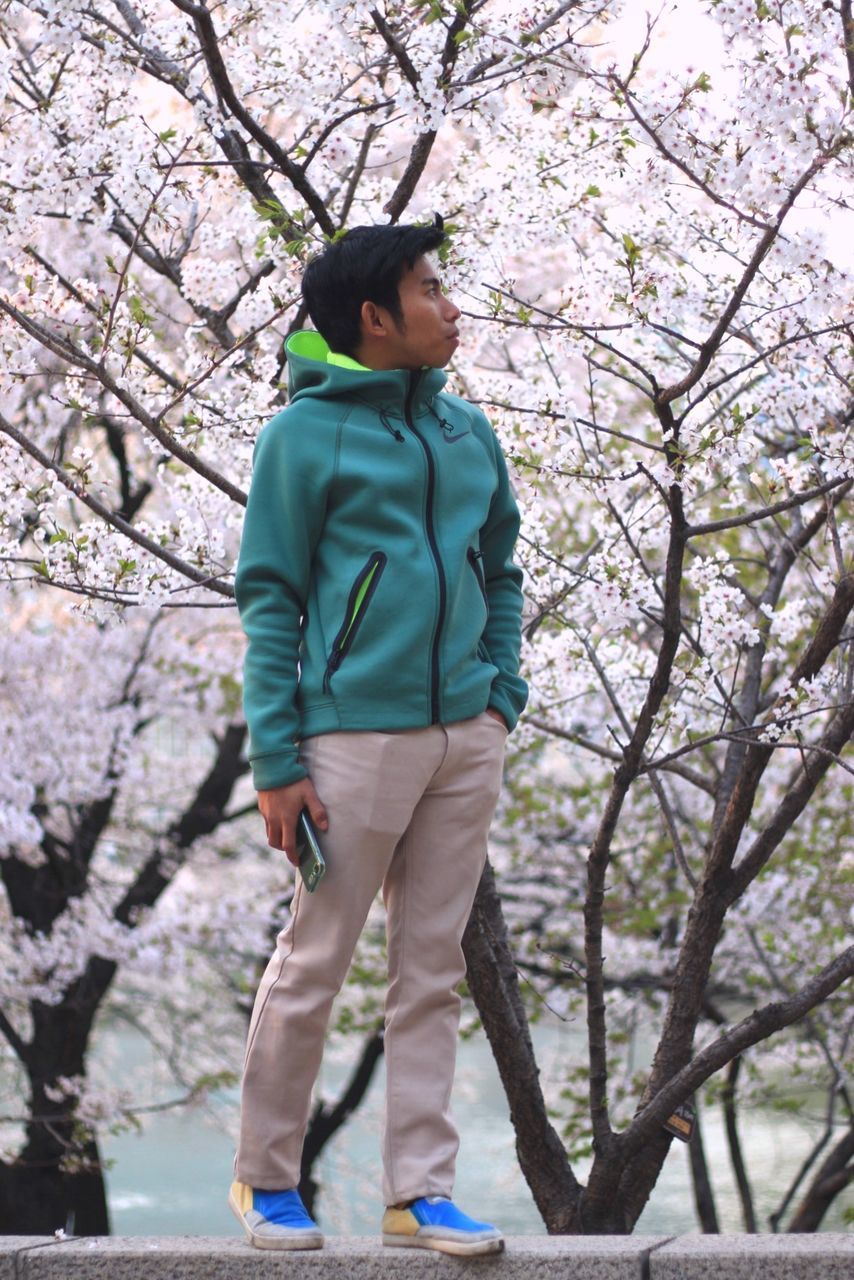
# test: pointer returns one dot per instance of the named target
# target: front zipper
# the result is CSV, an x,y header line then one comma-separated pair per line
x,y
357,606
475,558
433,545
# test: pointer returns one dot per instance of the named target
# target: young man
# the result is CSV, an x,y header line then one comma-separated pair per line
x,y
382,610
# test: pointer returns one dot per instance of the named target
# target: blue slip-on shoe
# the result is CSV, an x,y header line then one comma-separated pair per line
x,y
435,1222
274,1219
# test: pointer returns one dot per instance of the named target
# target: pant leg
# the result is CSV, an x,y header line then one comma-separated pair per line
x,y
370,784
429,890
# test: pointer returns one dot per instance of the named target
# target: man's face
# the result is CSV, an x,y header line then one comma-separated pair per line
x,y
428,335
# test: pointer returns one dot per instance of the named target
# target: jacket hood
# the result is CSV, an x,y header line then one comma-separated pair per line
x,y
311,374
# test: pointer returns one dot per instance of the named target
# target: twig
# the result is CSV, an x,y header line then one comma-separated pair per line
x,y
66,350
209,44
99,509
681,771
757,1026
668,394
786,504
673,159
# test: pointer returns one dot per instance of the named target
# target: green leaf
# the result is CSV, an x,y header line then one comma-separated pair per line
x,y
137,310
444,250
633,251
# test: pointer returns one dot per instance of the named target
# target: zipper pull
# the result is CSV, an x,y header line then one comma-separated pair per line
x,y
331,667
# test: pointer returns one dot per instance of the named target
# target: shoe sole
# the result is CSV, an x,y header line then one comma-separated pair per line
x,y
460,1248
314,1240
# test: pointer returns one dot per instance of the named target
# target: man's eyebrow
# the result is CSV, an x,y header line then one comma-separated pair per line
x,y
431,280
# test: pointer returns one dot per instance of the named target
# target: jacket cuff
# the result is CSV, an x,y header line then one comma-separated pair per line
x,y
276,769
509,699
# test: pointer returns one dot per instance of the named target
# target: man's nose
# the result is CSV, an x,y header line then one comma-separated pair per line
x,y
452,311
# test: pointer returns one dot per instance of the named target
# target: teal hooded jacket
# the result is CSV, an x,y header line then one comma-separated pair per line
x,y
375,581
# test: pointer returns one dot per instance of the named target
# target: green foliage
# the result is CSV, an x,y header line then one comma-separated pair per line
x,y
138,311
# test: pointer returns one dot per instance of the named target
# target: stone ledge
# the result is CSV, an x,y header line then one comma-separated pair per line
x,y
808,1257
355,1258
825,1256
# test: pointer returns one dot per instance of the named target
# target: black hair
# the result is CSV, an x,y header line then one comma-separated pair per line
x,y
364,265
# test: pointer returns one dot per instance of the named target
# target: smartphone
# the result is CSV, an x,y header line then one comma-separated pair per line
x,y
311,861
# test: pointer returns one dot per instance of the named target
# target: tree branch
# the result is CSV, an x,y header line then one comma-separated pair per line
x,y
797,500
668,394
71,354
679,164
764,355
18,1045
758,753
327,1120
395,48
834,1175
165,69
201,818
599,857
848,40
704,1196
420,152
736,1156
167,378
757,1026
693,776
110,518
798,794
209,44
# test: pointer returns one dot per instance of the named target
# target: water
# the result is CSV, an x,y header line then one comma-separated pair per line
x,y
173,1178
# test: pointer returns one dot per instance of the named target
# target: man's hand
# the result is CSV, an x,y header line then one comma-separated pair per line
x,y
496,715
280,809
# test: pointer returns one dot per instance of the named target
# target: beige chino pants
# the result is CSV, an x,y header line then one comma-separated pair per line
x,y
408,812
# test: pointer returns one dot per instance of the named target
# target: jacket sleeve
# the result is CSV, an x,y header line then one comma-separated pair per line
x,y
284,516
502,635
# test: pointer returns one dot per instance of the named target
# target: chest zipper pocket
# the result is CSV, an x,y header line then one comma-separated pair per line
x,y
474,558
357,606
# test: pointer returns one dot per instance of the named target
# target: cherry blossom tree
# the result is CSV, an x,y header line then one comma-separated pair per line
x,y
658,322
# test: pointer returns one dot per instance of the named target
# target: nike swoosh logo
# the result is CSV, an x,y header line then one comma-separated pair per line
x,y
454,439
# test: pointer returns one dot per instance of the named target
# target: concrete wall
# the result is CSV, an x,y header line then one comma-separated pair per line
x,y
802,1257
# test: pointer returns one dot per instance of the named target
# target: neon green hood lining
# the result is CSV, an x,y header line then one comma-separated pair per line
x,y
311,346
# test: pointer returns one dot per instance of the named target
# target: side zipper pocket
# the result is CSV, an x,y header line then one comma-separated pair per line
x,y
357,605
474,558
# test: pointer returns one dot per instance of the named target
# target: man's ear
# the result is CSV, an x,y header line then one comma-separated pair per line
x,y
373,324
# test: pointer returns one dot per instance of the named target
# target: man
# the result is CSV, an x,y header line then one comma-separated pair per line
x,y
382,610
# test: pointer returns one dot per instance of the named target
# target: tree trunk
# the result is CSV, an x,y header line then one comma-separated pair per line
x,y
326,1120
704,1196
835,1174
494,986
739,1168
57,1180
